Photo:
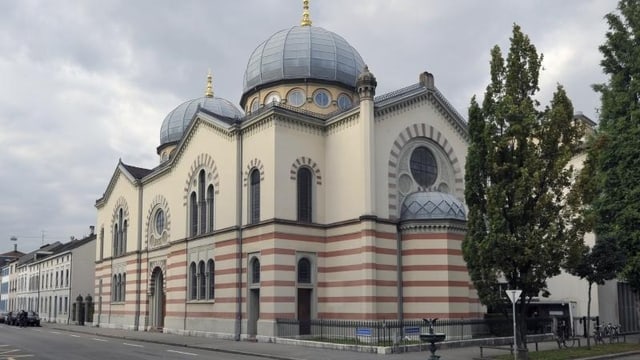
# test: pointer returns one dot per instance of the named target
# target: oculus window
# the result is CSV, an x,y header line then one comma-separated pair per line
x,y
344,102
273,97
322,98
159,221
296,97
423,166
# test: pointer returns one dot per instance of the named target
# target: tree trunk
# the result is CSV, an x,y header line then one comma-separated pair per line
x,y
589,316
522,353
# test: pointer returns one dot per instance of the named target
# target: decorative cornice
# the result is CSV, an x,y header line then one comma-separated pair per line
x,y
430,226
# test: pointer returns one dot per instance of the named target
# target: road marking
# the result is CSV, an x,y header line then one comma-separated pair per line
x,y
182,352
54,332
73,335
135,345
96,339
13,357
8,351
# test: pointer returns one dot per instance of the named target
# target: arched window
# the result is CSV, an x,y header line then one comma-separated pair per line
x,y
120,233
114,288
193,281
304,195
254,197
202,280
304,271
255,271
115,240
201,202
210,208
123,292
193,201
101,243
118,286
211,286
125,226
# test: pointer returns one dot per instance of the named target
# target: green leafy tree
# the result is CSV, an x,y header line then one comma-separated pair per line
x,y
605,259
597,265
617,158
516,183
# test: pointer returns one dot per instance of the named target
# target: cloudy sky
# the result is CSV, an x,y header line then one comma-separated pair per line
x,y
84,83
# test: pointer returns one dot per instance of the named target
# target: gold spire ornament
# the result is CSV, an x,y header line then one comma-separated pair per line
x,y
306,19
209,92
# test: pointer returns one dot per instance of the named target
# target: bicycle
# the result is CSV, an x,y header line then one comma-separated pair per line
x,y
612,332
564,336
598,334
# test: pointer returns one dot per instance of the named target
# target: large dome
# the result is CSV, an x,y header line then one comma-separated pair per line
x,y
178,120
303,52
432,205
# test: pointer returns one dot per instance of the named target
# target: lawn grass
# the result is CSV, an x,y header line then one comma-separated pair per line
x,y
577,352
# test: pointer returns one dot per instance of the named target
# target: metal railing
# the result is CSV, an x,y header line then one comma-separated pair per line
x,y
387,333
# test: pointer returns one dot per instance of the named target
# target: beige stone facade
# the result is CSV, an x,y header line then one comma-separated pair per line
x,y
296,212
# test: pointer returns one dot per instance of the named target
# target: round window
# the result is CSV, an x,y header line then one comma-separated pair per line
x,y
159,221
344,102
272,98
254,105
296,97
322,98
423,167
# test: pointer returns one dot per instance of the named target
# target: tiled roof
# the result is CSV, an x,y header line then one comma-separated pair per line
x,y
137,172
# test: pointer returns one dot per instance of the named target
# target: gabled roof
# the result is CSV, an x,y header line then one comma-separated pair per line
x,y
33,256
132,173
137,172
14,254
394,100
74,244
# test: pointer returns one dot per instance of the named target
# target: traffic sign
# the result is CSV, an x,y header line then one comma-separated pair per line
x,y
513,295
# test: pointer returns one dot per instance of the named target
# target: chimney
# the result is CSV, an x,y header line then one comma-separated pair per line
x,y
426,80
92,228
15,247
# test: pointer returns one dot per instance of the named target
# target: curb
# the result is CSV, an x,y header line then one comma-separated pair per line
x,y
612,356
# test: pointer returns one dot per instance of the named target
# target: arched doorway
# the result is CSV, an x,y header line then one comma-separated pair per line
x,y
254,298
156,299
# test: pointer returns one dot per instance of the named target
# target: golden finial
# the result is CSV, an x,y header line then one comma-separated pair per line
x,y
306,19
209,92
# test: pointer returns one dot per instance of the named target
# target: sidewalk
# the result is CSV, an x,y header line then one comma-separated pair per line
x,y
279,351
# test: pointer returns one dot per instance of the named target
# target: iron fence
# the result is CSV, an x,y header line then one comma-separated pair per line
x,y
387,333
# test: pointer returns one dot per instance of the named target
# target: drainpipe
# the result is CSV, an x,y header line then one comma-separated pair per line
x,y
70,284
399,286
136,320
238,323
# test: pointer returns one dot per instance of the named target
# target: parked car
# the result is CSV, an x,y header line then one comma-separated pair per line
x,y
11,318
33,319
3,316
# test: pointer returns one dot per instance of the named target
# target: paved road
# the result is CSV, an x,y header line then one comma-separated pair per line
x,y
70,342
51,344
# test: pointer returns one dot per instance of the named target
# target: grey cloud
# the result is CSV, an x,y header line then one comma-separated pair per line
x,y
88,82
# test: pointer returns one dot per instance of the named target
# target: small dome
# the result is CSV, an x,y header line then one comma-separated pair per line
x,y
432,205
178,120
303,52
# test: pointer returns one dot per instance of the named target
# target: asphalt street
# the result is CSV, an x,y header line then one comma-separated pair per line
x,y
46,343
